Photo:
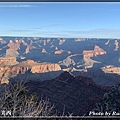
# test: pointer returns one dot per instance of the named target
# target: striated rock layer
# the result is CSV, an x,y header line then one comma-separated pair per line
x,y
45,68
87,54
7,72
111,69
4,61
91,53
116,45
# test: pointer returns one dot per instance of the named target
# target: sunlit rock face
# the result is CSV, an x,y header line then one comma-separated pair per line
x,y
87,54
116,45
5,61
59,52
45,68
12,68
44,51
61,41
91,53
111,69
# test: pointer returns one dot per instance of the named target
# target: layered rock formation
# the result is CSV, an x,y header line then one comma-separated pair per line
x,y
42,68
87,54
116,45
7,61
68,61
13,47
61,41
76,95
61,51
72,54
29,66
79,39
88,62
28,48
44,51
91,53
107,42
111,69
1,39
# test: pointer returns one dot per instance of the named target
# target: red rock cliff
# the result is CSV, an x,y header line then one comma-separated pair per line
x,y
91,53
7,72
45,68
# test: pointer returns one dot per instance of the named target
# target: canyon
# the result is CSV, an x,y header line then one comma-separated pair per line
x,y
79,56
91,53
14,68
73,73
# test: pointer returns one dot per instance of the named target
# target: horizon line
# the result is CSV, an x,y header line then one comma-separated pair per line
x,y
61,37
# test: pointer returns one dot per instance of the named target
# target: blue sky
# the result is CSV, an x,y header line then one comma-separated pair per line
x,y
77,20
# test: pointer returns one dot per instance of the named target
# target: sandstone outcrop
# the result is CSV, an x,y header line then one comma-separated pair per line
x,y
111,69
107,42
91,53
23,42
35,67
13,47
44,51
29,66
87,54
29,48
42,68
5,61
61,51
98,51
116,45
79,39
1,39
45,42
61,41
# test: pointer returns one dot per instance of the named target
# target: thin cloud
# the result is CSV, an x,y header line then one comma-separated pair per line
x,y
16,6
21,30
51,25
17,30
95,33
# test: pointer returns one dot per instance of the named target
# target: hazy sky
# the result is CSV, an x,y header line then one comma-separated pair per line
x,y
97,20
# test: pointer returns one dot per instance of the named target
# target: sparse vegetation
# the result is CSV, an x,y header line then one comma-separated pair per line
x,y
15,97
